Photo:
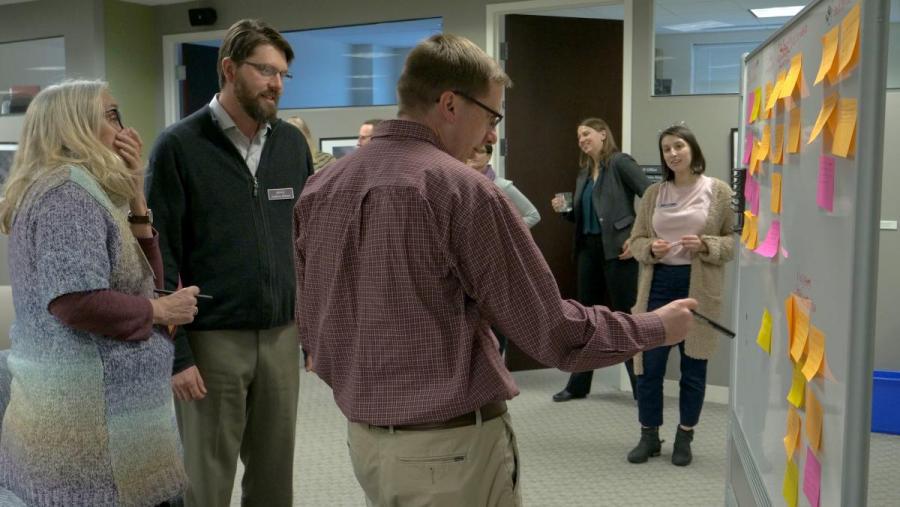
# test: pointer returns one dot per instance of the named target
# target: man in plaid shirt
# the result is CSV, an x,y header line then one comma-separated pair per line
x,y
405,258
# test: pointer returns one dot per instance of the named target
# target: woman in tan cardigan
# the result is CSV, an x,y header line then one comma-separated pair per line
x,y
682,238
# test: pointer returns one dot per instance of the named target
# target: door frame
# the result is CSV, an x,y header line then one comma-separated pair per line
x,y
494,35
171,83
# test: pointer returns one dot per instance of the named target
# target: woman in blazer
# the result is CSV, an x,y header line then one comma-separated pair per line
x,y
683,239
603,212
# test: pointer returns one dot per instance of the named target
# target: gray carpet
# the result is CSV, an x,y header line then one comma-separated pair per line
x,y
573,454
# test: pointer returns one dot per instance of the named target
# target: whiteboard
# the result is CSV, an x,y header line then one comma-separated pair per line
x,y
829,257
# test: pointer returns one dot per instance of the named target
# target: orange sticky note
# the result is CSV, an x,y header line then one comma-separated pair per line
x,y
849,47
824,116
764,113
754,159
764,143
845,130
829,50
764,337
789,316
798,387
793,76
792,434
775,198
775,94
816,347
757,98
753,238
791,483
745,230
801,331
794,131
777,154
813,420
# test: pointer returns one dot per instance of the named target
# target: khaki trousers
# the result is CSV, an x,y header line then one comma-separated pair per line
x,y
250,409
472,466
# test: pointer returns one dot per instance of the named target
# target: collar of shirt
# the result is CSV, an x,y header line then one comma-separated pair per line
x,y
410,129
224,121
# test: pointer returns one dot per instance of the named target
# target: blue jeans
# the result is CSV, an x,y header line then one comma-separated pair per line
x,y
670,283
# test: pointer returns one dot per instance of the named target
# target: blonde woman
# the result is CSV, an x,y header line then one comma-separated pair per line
x,y
320,158
682,237
90,419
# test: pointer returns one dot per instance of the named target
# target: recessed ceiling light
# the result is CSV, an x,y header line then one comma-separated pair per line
x,y
697,27
777,12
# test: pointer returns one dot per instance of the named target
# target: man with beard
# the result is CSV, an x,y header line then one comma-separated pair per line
x,y
224,182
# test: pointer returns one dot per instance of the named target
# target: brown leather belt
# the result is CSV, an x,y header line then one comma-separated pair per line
x,y
490,411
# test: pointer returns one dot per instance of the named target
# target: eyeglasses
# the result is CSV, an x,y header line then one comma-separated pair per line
x,y
497,117
114,116
268,71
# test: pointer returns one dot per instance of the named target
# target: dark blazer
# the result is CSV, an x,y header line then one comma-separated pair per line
x,y
613,201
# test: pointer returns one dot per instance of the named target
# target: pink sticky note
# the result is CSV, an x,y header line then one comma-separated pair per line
x,y
769,247
825,194
751,193
812,475
784,253
750,99
748,147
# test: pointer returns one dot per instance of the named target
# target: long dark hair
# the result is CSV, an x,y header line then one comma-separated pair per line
x,y
698,163
609,145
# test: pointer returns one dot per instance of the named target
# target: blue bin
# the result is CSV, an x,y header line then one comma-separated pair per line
x,y
886,402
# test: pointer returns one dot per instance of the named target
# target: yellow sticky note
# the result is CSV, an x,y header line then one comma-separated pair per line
x,y
849,48
775,198
829,50
789,316
813,420
764,143
753,240
824,116
816,346
801,330
792,434
845,130
757,98
764,337
764,113
791,482
777,154
775,93
794,131
798,387
745,230
793,76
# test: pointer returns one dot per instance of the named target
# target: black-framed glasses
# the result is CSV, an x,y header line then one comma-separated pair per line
x,y
497,117
269,71
114,116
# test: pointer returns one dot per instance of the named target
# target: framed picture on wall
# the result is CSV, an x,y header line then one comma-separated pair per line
x,y
337,146
7,152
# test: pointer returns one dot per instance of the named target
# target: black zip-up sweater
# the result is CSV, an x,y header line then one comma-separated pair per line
x,y
218,227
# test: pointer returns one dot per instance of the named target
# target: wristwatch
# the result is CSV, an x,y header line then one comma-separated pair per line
x,y
141,219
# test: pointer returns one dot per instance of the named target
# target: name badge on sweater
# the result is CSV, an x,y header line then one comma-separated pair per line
x,y
280,194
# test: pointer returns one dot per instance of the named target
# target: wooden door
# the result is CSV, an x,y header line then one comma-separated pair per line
x,y
564,70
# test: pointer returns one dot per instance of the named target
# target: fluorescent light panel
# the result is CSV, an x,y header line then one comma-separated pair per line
x,y
698,26
777,12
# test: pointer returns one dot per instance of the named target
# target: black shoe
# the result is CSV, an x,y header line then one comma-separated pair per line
x,y
565,395
681,451
648,447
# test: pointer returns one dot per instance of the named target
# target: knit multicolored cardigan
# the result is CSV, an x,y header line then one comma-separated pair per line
x,y
90,420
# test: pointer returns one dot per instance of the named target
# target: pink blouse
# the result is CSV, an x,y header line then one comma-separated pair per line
x,y
681,211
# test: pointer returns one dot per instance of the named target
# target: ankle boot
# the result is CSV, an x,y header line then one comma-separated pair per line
x,y
681,451
648,446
